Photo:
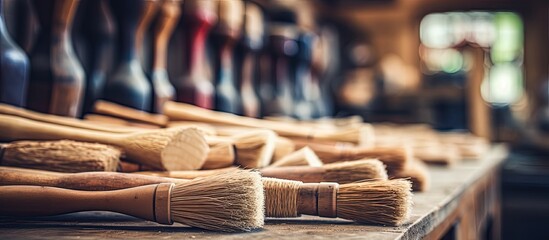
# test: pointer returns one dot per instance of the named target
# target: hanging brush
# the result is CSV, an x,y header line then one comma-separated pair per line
x,y
302,157
60,156
230,202
342,172
395,158
182,111
386,202
181,149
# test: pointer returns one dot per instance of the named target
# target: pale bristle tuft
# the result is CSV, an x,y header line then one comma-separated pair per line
x,y
353,171
281,197
230,202
387,202
255,149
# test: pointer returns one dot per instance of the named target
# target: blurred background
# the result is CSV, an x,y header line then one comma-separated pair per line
x,y
458,65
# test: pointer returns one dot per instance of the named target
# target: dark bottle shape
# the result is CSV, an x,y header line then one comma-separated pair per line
x,y
167,20
194,88
225,35
57,79
127,84
14,66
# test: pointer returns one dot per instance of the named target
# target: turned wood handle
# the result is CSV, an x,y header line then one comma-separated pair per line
x,y
65,121
15,128
46,201
318,199
88,181
299,173
117,110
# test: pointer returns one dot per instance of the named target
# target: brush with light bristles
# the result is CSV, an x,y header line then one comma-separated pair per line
x,y
418,174
343,172
302,157
179,149
253,149
387,202
60,156
395,158
187,112
230,202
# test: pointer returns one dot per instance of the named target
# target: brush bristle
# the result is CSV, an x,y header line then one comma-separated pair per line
x,y
353,171
255,149
387,202
230,202
418,174
281,197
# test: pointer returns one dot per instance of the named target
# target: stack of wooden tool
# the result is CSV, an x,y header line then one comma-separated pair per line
x,y
193,162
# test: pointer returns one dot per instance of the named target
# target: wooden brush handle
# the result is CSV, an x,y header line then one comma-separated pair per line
x,y
188,174
222,154
65,121
16,128
146,202
117,110
318,199
87,181
300,173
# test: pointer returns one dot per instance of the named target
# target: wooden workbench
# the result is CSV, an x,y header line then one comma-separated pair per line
x,y
463,203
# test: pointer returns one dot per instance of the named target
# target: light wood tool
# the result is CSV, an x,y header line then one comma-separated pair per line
x,y
127,113
343,172
182,111
60,156
181,149
302,157
227,202
386,202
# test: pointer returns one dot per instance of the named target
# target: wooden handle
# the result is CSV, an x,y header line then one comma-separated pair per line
x,y
188,174
15,128
304,174
117,110
87,181
318,199
65,121
32,201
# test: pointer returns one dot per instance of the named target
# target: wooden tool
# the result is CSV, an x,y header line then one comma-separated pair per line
x,y
60,156
99,34
56,78
167,21
127,113
65,121
395,158
127,85
114,122
302,157
14,68
254,149
224,35
181,111
162,149
227,202
198,17
418,174
247,56
387,202
344,172
87,181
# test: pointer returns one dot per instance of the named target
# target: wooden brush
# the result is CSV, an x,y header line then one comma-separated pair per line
x,y
283,198
184,149
87,181
127,113
302,157
435,153
386,202
418,174
60,156
342,172
395,158
229,202
222,154
59,120
182,111
116,122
